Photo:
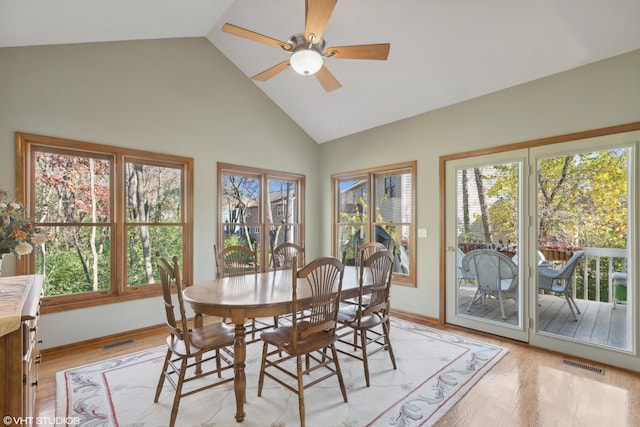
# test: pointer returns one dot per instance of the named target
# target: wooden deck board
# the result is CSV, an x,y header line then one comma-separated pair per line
x,y
598,322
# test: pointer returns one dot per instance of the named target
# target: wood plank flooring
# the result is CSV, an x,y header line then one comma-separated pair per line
x,y
528,387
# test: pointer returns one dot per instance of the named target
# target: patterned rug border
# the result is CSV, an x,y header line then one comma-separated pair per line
x,y
406,409
421,405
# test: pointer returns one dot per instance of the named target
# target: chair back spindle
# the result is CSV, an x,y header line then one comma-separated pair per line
x,y
282,256
235,261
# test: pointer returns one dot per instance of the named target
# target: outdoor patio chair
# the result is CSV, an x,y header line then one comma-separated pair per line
x,y
495,274
464,276
559,280
619,280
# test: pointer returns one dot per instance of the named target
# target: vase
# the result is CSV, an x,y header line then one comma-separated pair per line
x,y
3,255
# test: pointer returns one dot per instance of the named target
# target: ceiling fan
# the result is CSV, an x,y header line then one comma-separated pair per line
x,y
308,49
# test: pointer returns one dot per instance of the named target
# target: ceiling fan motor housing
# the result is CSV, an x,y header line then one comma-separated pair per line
x,y
306,58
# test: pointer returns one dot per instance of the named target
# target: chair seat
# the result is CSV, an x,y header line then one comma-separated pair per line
x,y
505,286
557,288
348,315
281,338
216,334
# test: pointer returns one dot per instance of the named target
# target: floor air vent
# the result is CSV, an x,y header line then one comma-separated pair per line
x,y
583,366
116,344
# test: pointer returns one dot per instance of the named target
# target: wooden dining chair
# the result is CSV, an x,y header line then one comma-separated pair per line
x,y
190,350
367,249
282,255
367,321
363,252
235,261
311,333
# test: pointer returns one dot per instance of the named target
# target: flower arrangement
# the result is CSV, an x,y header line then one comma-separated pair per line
x,y
18,234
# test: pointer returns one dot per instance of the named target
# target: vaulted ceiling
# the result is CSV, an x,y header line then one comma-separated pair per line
x,y
442,51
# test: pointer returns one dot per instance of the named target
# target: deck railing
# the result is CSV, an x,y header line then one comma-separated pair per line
x,y
595,269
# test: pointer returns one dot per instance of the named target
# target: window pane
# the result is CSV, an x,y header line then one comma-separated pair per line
x,y
281,204
393,198
280,233
242,235
76,259
240,199
400,238
143,243
154,193
259,209
74,201
385,217
353,202
348,237
488,207
71,188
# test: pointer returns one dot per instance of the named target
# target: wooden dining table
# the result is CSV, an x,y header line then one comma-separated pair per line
x,y
253,296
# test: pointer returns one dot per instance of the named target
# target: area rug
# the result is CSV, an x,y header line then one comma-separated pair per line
x,y
434,370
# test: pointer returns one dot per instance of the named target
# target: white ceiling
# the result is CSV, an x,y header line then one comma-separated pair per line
x,y
442,51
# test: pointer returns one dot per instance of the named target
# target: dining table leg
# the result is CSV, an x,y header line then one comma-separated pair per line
x,y
240,379
198,323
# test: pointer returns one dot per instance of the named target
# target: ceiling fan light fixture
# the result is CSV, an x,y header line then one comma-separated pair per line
x,y
306,61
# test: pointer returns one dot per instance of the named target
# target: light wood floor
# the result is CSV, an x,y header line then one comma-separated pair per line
x,y
528,387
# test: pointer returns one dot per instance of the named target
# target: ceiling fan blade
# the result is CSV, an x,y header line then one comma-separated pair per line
x,y
270,72
362,51
326,79
317,15
251,35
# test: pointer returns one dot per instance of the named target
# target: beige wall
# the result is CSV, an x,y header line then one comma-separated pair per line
x,y
183,97
179,96
598,95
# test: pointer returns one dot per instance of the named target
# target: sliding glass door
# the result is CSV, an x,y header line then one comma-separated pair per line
x,y
541,246
485,242
584,205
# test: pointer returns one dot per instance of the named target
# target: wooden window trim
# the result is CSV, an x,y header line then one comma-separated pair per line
x,y
369,175
119,156
264,175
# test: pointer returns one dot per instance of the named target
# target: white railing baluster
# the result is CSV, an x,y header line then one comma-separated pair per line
x,y
598,253
597,278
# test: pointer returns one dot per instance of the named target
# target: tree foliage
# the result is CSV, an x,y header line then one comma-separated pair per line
x,y
581,201
74,199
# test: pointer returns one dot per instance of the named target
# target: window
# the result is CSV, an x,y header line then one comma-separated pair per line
x,y
259,209
389,186
106,211
377,205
